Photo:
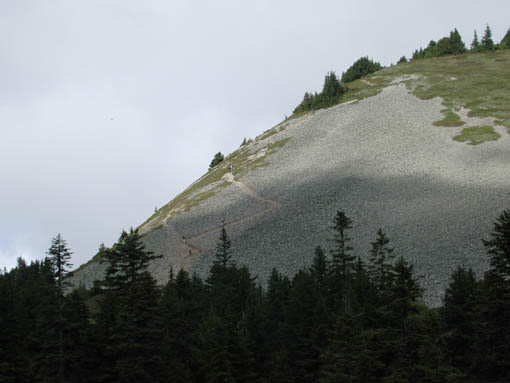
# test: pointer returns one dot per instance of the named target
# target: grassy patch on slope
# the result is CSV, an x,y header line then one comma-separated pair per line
x,y
450,119
242,160
477,135
477,81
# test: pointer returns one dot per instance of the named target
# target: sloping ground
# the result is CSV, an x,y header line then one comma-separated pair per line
x,y
380,159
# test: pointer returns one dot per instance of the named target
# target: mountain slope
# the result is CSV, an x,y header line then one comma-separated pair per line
x,y
396,154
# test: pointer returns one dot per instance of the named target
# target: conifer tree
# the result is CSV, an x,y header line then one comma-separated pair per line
x,y
460,315
60,257
223,256
381,256
487,43
130,312
342,257
475,45
340,358
496,314
498,246
218,158
319,268
505,41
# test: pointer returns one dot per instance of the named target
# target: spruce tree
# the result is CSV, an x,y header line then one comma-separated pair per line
x,y
223,256
340,359
342,257
505,42
60,257
130,316
475,45
487,43
460,315
381,257
496,358
218,158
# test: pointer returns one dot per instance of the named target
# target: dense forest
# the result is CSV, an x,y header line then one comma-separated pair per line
x,y
341,320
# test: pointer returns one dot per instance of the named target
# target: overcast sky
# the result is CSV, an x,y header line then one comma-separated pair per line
x,y
109,108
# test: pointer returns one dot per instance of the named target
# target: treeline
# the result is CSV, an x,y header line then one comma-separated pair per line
x,y
453,45
340,320
334,88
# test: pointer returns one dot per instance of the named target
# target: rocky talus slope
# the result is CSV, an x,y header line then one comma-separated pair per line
x,y
381,160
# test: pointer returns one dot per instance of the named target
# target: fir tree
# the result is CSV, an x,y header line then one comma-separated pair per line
x,y
342,258
360,68
487,43
340,359
130,312
498,246
460,313
475,45
60,257
223,256
505,42
381,256
218,158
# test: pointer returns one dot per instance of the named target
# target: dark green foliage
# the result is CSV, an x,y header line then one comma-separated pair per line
x,y
223,255
403,59
218,157
475,45
381,256
342,258
337,321
331,94
341,359
505,42
460,315
452,45
129,326
127,261
498,247
60,257
360,68
487,43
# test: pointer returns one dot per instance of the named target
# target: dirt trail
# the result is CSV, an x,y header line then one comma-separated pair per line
x,y
189,252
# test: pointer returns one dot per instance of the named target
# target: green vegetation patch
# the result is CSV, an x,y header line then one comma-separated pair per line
x,y
242,160
477,81
450,119
477,135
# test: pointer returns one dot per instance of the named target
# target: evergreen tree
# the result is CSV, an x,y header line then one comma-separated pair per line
x,y
403,59
505,42
332,88
126,261
342,257
130,313
460,315
223,254
498,247
457,46
340,359
78,348
381,256
475,45
218,157
360,68
487,43
319,268
60,257
496,342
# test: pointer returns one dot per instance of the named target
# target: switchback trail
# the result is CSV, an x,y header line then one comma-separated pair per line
x,y
189,252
